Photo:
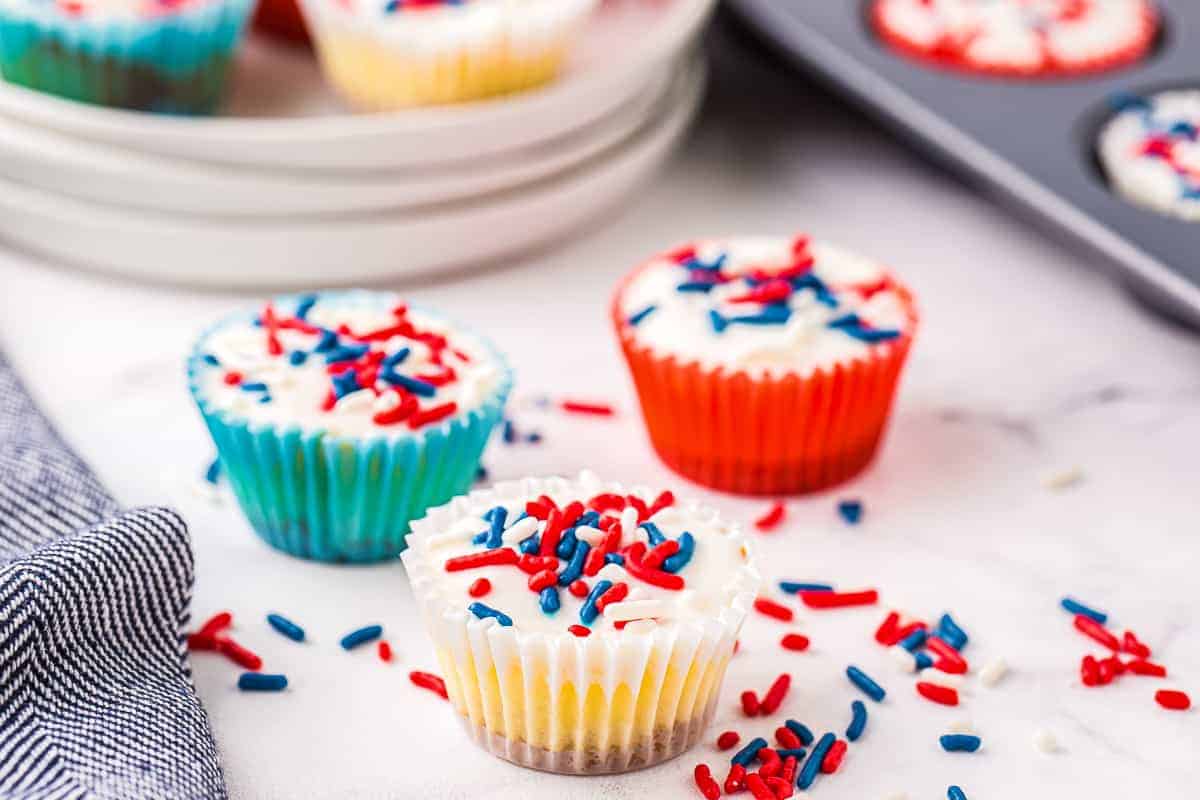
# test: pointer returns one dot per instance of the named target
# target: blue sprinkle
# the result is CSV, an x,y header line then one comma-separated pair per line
x,y
297,357
481,474
213,473
851,511
588,611
923,661
637,318
532,545
395,358
960,742
211,360
566,545
950,632
748,753
955,793
719,323
1127,101
417,387
361,636
285,626
1076,607
499,515
392,6
614,558
872,335
687,546
653,534
1185,129
348,352
869,687
858,720
844,321
548,600
479,538
483,612
574,568
261,682
510,432
327,342
590,518
791,587
774,314
695,286
533,438
801,730
797,753
254,386
810,281
808,773
304,305
915,640
345,383
266,398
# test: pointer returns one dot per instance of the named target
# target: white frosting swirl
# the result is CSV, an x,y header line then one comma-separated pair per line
x,y
837,285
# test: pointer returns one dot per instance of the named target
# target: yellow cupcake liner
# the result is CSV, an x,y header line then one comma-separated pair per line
x,y
611,702
378,72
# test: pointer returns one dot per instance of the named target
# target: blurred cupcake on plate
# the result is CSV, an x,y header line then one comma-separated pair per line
x,y
764,365
387,54
339,417
150,55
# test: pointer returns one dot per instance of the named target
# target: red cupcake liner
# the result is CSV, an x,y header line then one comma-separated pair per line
x,y
953,60
765,435
281,18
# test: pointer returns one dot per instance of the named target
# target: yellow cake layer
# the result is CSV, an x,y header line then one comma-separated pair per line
x,y
375,77
525,709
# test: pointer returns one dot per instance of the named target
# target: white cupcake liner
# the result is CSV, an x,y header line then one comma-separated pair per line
x,y
610,702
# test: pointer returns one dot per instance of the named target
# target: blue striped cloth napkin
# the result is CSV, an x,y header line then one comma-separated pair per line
x,y
96,695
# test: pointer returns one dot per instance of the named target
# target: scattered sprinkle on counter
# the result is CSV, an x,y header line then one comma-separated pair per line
x,y
864,682
960,742
429,681
261,682
772,518
286,627
361,636
1075,607
851,511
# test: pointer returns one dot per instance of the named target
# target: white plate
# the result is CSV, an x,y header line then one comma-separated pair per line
x,y
46,159
304,126
341,250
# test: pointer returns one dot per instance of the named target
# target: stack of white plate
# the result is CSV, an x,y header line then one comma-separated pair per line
x,y
289,188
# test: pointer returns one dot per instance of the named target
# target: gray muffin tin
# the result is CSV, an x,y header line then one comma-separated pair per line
x,y
1032,141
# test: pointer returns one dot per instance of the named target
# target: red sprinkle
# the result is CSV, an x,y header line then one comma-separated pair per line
x,y
238,654
579,588
480,587
197,641
833,757
402,411
750,704
951,666
822,600
500,557
385,651
1148,668
1089,671
1130,644
781,787
728,739
789,769
615,594
794,641
664,500
708,787
770,608
582,631
770,520
660,553
654,577
607,502
758,788
427,680
430,415
537,510
886,633
215,624
948,657
555,525
1089,627
1172,700
736,780
771,765
594,562
543,579
774,696
945,695
595,409
786,739
233,378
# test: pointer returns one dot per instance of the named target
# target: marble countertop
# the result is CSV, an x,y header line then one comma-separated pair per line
x,y
1028,362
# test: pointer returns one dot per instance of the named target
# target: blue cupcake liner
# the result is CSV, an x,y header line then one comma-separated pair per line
x,y
173,62
342,498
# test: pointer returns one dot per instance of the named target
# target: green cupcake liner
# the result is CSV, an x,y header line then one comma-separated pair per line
x,y
173,62
338,498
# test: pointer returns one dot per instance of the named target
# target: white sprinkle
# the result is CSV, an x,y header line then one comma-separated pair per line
x,y
961,725
629,521
593,536
519,531
993,673
1063,479
1044,741
905,660
939,678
